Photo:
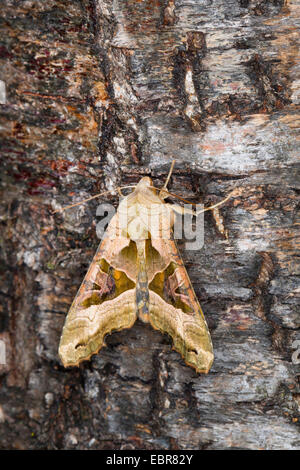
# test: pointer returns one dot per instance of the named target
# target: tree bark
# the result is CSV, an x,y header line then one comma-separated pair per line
x,y
96,94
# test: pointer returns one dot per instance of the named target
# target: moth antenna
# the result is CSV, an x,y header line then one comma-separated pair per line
x,y
172,195
235,193
90,198
210,208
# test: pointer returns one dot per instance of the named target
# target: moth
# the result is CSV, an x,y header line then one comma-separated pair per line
x,y
137,272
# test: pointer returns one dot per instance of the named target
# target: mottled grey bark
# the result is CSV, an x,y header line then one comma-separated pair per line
x,y
99,93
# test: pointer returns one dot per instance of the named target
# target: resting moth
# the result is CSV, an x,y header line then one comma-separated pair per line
x,y
137,272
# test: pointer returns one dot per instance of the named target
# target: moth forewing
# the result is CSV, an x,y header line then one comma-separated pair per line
x,y
137,272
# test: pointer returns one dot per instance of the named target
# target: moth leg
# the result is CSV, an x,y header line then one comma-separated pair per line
x,y
185,210
120,192
215,212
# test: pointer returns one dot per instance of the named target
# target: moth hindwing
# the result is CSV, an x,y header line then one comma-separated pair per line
x,y
137,272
